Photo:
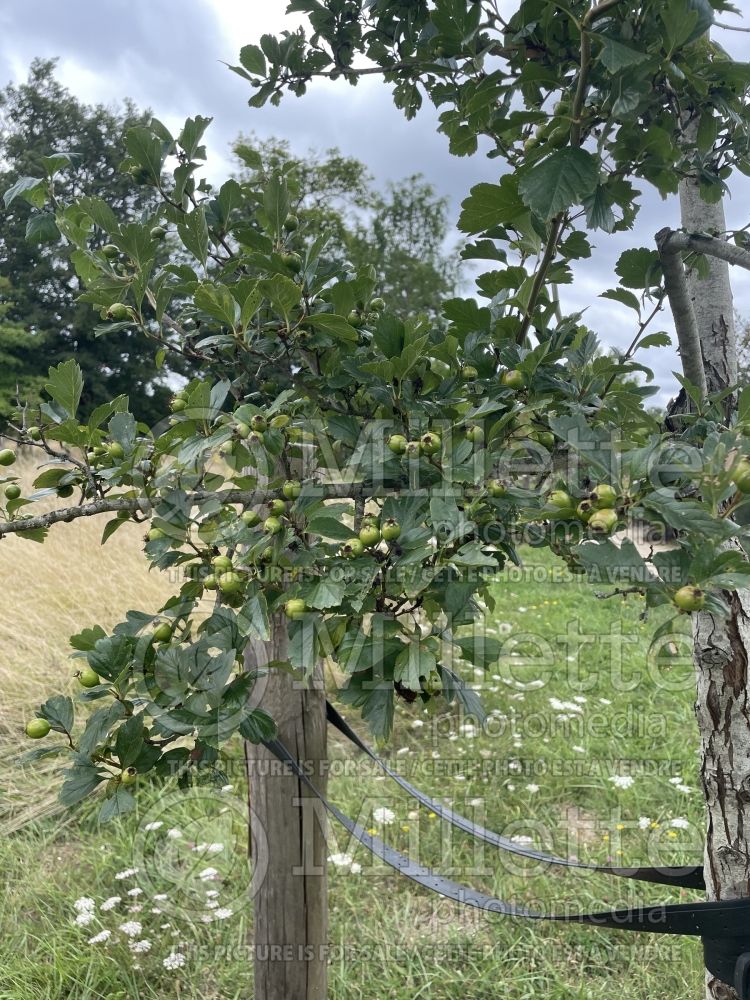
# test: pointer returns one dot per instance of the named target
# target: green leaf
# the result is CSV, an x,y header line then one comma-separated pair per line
x,y
145,149
129,741
98,725
276,205
560,181
639,268
58,711
191,135
194,234
412,663
616,56
87,638
282,292
325,593
335,326
253,617
329,527
217,301
100,214
253,60
623,296
80,782
65,385
117,805
479,649
42,228
32,189
490,205
656,340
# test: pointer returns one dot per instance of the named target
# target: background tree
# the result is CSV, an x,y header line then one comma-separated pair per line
x,y
402,232
39,118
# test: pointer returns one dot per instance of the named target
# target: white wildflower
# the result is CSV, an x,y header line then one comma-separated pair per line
x,y
227,788
417,724
131,928
223,913
100,937
156,825
175,960
622,780
84,905
127,873
135,892
160,897
685,789
341,860
111,903
174,834
679,823
84,919
356,868
532,788
644,822
383,815
140,947
207,873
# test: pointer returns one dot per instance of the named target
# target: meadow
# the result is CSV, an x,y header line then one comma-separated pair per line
x,y
589,749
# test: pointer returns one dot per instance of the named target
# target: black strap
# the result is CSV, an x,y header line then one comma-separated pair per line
x,y
724,926
690,877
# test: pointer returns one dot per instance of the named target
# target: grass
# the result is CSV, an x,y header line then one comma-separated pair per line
x,y
562,725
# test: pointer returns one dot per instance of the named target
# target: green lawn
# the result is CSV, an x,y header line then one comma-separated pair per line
x,y
564,722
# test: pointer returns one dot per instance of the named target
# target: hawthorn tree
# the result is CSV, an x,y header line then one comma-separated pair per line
x,y
345,484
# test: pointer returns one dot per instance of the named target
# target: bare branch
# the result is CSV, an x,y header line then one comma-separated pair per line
x,y
709,245
247,498
685,323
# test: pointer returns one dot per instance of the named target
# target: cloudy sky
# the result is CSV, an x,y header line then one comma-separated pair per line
x,y
170,56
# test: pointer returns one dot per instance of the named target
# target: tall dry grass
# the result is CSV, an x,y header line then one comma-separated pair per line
x,y
51,591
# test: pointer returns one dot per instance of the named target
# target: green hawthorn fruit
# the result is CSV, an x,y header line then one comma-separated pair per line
x,y
741,476
495,488
110,251
431,443
545,438
255,440
119,312
469,373
65,492
352,549
221,563
226,449
377,304
291,223
603,495
129,776
391,529
123,515
230,583
258,423
560,499
293,261
295,608
369,535
396,442
88,677
34,433
116,451
209,582
178,404
291,489
36,729
277,508
689,599
155,534
603,521
585,509
413,449
474,433
280,421
158,233
513,379
354,319
162,632
272,526
250,518
242,429
7,457
433,683
12,491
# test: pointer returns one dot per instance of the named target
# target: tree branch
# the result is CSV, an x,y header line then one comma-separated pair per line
x,y
248,498
685,323
709,245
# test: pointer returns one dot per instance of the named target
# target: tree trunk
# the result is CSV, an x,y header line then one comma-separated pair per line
x,y
721,646
288,834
